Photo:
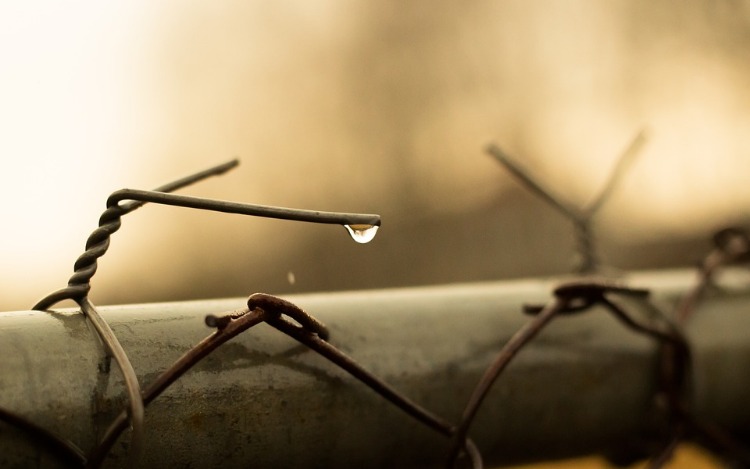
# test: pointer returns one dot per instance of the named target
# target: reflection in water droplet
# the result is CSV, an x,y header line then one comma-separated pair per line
x,y
362,233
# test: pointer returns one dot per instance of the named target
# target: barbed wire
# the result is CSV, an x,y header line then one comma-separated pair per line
x,y
582,218
79,286
672,395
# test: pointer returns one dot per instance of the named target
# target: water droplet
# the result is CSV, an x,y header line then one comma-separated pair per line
x,y
362,233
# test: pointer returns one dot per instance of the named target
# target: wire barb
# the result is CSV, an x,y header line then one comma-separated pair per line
x,y
731,245
79,284
98,242
79,287
299,325
110,222
580,217
309,335
572,298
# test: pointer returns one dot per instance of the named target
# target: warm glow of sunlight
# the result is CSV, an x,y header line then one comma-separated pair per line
x,y
341,107
65,88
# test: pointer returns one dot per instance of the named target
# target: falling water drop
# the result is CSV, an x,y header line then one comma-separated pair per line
x,y
362,233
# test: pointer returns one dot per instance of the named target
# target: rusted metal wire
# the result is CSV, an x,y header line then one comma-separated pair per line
x,y
446,386
307,330
580,217
569,298
97,244
244,319
672,393
319,344
79,286
731,245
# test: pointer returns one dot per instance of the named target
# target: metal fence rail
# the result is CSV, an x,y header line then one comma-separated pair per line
x,y
380,378
585,385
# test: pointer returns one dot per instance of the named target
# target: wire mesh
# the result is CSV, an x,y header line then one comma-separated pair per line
x,y
672,398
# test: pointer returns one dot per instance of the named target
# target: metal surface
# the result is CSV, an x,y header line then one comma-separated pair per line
x,y
264,400
362,229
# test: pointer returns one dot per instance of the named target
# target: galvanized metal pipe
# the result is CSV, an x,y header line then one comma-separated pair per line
x,y
263,400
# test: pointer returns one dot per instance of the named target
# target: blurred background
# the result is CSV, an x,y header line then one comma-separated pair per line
x,y
379,107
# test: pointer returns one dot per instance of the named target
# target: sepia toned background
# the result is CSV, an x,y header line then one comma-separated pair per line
x,y
377,107
380,107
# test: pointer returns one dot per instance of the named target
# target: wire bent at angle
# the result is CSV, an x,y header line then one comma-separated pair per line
x,y
79,284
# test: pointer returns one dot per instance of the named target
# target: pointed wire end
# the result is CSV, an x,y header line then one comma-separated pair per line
x,y
215,170
629,153
495,151
640,139
644,134
224,167
511,165
218,322
199,176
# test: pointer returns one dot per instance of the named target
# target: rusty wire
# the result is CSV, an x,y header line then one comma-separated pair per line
x,y
304,328
580,217
571,298
79,286
673,395
320,345
731,245
227,330
575,297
